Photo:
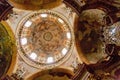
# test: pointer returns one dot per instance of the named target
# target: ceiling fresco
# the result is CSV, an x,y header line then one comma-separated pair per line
x,y
38,4
45,38
60,40
7,49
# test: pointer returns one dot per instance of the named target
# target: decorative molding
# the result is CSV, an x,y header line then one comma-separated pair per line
x,y
5,9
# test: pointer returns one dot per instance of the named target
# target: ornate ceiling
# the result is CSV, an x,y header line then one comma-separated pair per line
x,y
38,4
45,37
7,49
60,39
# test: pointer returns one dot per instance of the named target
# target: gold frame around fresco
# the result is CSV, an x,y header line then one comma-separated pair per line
x,y
13,65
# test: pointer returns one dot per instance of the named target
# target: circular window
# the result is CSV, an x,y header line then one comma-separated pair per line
x,y
44,38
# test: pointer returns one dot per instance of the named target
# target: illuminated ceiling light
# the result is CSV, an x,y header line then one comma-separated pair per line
x,y
28,24
24,41
64,51
68,35
113,31
33,55
50,60
60,20
44,15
